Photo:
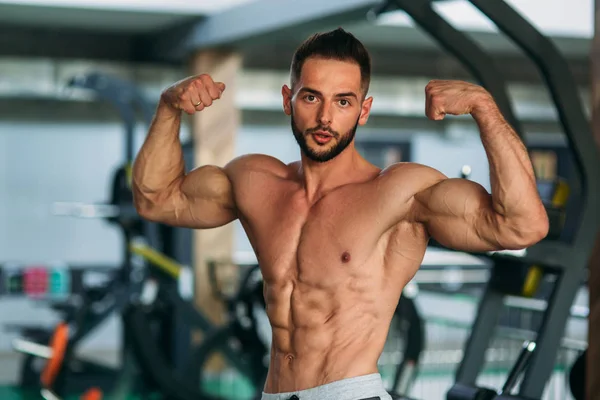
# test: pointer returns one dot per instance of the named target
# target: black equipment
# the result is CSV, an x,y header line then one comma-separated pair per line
x,y
578,377
411,326
574,215
158,327
82,314
236,340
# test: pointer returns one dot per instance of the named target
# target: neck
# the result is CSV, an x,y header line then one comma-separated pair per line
x,y
318,178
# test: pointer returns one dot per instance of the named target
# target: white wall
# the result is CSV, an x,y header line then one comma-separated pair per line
x,y
45,162
449,155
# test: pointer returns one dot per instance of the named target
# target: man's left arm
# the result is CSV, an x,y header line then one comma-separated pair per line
x,y
461,214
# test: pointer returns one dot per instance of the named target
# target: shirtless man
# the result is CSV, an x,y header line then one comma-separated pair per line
x,y
336,237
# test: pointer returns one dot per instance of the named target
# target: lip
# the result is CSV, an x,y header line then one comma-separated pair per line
x,y
322,138
323,133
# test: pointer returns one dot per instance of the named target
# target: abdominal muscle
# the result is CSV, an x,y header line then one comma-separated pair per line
x,y
324,334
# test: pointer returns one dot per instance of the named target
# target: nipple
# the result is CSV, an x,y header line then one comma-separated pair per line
x,y
346,257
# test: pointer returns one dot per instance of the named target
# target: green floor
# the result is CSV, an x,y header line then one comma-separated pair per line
x,y
233,387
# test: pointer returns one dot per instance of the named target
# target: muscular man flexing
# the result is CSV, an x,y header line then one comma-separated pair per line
x,y
336,237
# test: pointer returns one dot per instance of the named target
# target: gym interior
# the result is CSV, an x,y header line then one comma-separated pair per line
x,y
96,302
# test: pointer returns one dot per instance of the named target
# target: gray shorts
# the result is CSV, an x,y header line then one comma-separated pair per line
x,y
366,387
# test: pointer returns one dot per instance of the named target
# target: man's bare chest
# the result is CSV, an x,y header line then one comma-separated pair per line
x,y
334,237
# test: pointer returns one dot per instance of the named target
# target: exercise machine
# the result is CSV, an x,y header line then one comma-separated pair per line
x,y
63,373
411,326
237,339
159,319
563,255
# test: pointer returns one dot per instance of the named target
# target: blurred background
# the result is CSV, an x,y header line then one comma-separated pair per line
x,y
71,70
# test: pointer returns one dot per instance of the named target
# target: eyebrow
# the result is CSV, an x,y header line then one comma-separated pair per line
x,y
314,91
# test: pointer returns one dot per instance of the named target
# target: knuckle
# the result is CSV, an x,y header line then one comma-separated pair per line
x,y
197,83
205,78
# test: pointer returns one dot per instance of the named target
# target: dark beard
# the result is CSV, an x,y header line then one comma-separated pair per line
x,y
322,156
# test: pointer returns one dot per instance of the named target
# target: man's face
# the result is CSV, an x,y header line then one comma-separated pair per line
x,y
326,106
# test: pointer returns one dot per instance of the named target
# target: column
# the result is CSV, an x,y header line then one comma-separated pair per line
x,y
214,133
593,359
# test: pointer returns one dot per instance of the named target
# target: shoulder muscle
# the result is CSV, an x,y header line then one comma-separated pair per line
x,y
406,180
254,163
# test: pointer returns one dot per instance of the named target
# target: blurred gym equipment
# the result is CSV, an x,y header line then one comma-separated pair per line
x,y
64,373
562,257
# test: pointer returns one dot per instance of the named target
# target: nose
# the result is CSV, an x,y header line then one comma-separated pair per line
x,y
325,114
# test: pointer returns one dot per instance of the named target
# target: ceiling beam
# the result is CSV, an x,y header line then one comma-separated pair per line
x,y
20,41
401,61
257,19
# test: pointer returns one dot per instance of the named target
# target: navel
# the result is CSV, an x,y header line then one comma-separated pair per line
x,y
346,257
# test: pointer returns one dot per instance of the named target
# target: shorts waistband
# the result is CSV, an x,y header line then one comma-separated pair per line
x,y
357,388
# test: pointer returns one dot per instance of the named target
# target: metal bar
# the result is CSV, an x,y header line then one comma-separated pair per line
x,y
482,330
519,367
83,210
549,337
563,89
32,348
572,261
467,51
49,395
548,253
540,305
157,259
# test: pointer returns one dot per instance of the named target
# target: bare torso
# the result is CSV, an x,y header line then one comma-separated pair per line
x,y
333,271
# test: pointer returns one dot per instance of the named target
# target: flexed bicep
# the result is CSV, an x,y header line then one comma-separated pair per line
x,y
203,199
459,214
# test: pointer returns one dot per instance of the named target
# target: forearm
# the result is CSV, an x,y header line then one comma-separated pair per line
x,y
159,164
512,178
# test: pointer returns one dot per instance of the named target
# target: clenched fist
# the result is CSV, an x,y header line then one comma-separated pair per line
x,y
193,94
453,97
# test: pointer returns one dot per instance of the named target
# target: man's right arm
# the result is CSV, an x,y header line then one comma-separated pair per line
x,y
162,191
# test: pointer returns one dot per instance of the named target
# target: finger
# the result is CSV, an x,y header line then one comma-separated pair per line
x,y
221,86
205,96
195,99
431,107
434,111
211,87
202,87
427,104
437,110
213,90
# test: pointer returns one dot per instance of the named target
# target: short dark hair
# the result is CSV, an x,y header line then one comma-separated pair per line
x,y
337,45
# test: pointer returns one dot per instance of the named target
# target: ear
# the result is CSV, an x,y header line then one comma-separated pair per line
x,y
286,92
365,111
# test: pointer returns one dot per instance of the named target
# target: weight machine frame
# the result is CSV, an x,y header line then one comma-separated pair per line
x,y
565,257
